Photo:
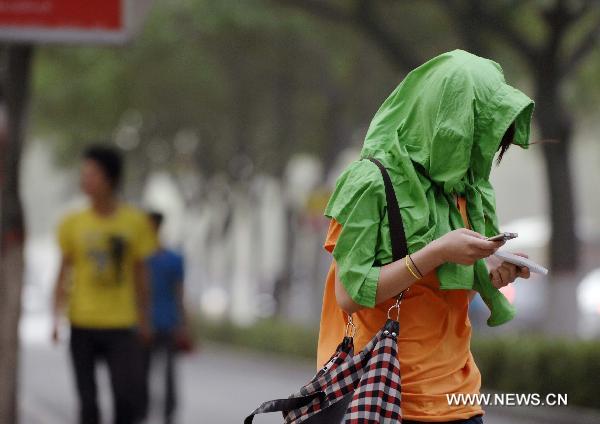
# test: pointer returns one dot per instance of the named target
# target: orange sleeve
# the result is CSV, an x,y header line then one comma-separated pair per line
x,y
333,233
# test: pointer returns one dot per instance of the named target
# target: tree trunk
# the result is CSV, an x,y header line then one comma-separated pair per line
x,y
12,230
561,316
555,125
283,115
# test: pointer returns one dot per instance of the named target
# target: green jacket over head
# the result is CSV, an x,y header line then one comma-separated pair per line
x,y
437,134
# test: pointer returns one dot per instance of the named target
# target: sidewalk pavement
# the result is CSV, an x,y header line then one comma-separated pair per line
x,y
217,386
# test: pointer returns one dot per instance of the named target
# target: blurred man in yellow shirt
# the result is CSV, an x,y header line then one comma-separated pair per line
x,y
103,285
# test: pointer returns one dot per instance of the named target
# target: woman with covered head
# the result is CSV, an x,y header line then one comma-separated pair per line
x,y
437,135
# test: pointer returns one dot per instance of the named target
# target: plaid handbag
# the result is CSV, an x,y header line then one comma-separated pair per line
x,y
361,388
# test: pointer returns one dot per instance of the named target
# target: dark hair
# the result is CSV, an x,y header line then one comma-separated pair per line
x,y
156,218
507,140
109,160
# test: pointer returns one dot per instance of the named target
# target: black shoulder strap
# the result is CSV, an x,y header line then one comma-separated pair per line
x,y
281,405
397,235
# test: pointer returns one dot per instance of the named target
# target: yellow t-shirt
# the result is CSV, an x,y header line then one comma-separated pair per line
x,y
103,251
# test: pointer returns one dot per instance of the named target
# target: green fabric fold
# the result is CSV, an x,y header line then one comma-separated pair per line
x,y
437,134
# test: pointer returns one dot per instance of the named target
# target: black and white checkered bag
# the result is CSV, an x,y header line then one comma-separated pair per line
x,y
350,389
361,388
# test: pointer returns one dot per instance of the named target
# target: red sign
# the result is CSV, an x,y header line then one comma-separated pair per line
x,y
78,21
82,14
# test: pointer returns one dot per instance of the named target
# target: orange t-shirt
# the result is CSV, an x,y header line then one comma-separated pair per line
x,y
433,344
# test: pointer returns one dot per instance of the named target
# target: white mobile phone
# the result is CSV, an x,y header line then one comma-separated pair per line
x,y
503,236
521,262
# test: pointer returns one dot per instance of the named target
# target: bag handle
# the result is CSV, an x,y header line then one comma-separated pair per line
x,y
282,405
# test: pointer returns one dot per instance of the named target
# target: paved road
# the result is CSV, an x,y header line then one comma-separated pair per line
x,y
218,385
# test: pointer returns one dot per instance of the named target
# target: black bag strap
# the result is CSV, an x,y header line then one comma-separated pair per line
x,y
280,405
397,235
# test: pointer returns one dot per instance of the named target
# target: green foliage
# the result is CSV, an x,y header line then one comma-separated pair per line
x,y
77,94
266,335
224,70
262,81
538,365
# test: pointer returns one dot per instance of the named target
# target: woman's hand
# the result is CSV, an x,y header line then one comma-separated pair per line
x,y
465,247
503,273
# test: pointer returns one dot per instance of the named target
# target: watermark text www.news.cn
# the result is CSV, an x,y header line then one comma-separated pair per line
x,y
507,399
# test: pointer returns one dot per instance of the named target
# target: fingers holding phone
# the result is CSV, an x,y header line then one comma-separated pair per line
x,y
465,247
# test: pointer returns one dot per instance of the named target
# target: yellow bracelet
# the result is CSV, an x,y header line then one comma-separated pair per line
x,y
415,266
414,274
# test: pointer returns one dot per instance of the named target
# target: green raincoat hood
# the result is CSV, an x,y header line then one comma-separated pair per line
x,y
449,116
437,134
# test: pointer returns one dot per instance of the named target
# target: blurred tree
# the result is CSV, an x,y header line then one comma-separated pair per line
x,y
552,38
236,74
216,68
16,64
